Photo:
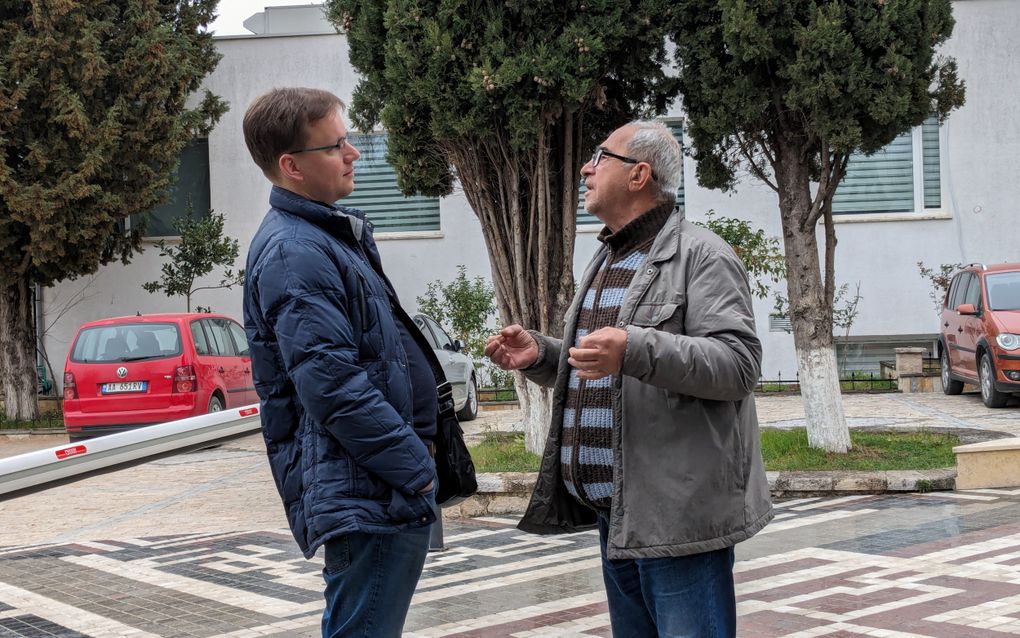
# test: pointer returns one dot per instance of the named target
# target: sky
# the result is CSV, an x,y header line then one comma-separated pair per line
x,y
233,12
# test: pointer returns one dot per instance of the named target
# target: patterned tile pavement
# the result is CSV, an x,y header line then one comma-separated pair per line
x,y
194,546
907,566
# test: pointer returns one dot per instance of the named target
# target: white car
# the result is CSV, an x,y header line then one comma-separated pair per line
x,y
457,366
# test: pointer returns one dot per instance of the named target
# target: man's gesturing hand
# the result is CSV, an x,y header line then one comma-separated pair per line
x,y
512,349
599,354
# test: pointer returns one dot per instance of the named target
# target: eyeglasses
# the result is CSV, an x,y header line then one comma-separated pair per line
x,y
601,152
340,144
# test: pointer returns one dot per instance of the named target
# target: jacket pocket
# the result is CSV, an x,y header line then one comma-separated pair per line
x,y
405,508
667,317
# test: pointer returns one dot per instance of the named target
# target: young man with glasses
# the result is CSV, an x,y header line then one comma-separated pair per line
x,y
654,437
347,388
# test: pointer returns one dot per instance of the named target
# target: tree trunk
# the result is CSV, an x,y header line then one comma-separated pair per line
x,y
536,409
810,306
17,352
526,201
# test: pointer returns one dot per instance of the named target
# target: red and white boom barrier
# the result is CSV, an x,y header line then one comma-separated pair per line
x,y
43,469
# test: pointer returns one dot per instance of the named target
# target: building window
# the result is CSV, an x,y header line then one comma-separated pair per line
x,y
780,323
376,192
189,192
585,218
903,177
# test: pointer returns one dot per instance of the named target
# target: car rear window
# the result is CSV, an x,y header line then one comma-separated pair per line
x,y
126,342
1003,291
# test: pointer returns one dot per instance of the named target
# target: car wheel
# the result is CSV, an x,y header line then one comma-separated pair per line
x,y
992,397
215,404
949,384
470,410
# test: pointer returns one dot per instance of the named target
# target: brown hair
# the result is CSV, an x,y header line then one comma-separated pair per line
x,y
277,122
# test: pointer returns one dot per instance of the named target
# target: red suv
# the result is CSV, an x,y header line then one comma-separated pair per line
x,y
980,341
130,371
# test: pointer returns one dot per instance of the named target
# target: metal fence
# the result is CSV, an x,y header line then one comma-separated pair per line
x,y
856,382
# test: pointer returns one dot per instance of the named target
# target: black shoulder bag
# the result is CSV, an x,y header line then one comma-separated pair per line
x,y
455,471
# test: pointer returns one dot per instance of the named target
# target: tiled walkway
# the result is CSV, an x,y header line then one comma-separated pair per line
x,y
942,564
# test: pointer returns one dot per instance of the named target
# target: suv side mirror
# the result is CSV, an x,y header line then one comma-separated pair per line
x,y
967,309
458,345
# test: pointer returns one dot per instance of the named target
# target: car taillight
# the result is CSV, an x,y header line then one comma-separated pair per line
x,y
70,387
184,379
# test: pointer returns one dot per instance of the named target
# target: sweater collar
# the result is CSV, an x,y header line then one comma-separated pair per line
x,y
638,231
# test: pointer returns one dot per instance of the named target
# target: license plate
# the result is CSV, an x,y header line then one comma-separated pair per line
x,y
124,386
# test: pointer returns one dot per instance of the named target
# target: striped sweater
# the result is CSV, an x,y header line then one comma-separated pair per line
x,y
586,455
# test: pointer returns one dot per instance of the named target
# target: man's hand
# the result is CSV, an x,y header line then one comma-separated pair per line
x,y
599,354
512,349
427,488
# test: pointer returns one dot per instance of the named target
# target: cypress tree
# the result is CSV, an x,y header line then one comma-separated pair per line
x,y
787,91
509,97
93,116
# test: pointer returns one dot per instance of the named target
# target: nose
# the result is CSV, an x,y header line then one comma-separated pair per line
x,y
352,152
587,169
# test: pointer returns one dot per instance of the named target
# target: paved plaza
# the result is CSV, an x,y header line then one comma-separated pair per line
x,y
196,546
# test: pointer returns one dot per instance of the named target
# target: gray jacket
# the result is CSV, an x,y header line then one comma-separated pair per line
x,y
688,475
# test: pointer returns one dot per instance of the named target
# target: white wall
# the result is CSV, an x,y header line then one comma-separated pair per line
x,y
981,157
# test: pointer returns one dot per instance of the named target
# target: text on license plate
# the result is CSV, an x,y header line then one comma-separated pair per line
x,y
124,386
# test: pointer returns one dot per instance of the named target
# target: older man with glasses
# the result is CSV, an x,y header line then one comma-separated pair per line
x,y
654,436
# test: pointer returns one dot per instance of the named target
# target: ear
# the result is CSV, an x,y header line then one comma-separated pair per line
x,y
288,168
640,177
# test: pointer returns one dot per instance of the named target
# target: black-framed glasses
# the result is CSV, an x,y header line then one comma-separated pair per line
x,y
340,144
601,152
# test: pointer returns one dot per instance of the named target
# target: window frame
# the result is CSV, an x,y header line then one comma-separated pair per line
x,y
364,141
920,212
131,221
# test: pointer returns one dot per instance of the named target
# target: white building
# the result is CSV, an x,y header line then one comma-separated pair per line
x,y
954,201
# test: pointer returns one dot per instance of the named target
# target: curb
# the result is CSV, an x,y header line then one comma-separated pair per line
x,y
32,432
509,492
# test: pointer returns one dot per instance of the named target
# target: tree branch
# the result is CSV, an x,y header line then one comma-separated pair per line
x,y
746,150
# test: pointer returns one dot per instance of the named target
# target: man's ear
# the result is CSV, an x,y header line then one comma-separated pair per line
x,y
640,177
288,168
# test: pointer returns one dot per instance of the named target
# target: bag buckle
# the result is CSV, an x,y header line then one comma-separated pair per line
x,y
444,392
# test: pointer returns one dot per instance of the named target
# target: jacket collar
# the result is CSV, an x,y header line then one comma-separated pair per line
x,y
667,242
336,220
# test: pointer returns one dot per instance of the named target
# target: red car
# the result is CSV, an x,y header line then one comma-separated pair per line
x,y
980,340
127,372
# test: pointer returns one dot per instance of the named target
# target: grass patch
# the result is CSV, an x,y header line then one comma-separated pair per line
x,y
497,394
503,452
782,449
788,450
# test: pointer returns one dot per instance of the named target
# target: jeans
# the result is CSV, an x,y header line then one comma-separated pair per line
x,y
673,597
370,579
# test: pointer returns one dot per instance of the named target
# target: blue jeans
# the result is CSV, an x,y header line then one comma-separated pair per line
x,y
370,579
673,597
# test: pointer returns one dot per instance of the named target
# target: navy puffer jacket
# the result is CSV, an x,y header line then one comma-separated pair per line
x,y
332,375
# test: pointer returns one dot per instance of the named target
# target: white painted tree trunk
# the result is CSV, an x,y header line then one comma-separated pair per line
x,y
536,410
823,401
811,299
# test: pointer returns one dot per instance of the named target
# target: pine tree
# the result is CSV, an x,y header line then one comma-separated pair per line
x,y
509,96
92,119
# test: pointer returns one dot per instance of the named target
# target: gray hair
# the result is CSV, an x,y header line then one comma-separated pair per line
x,y
654,143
